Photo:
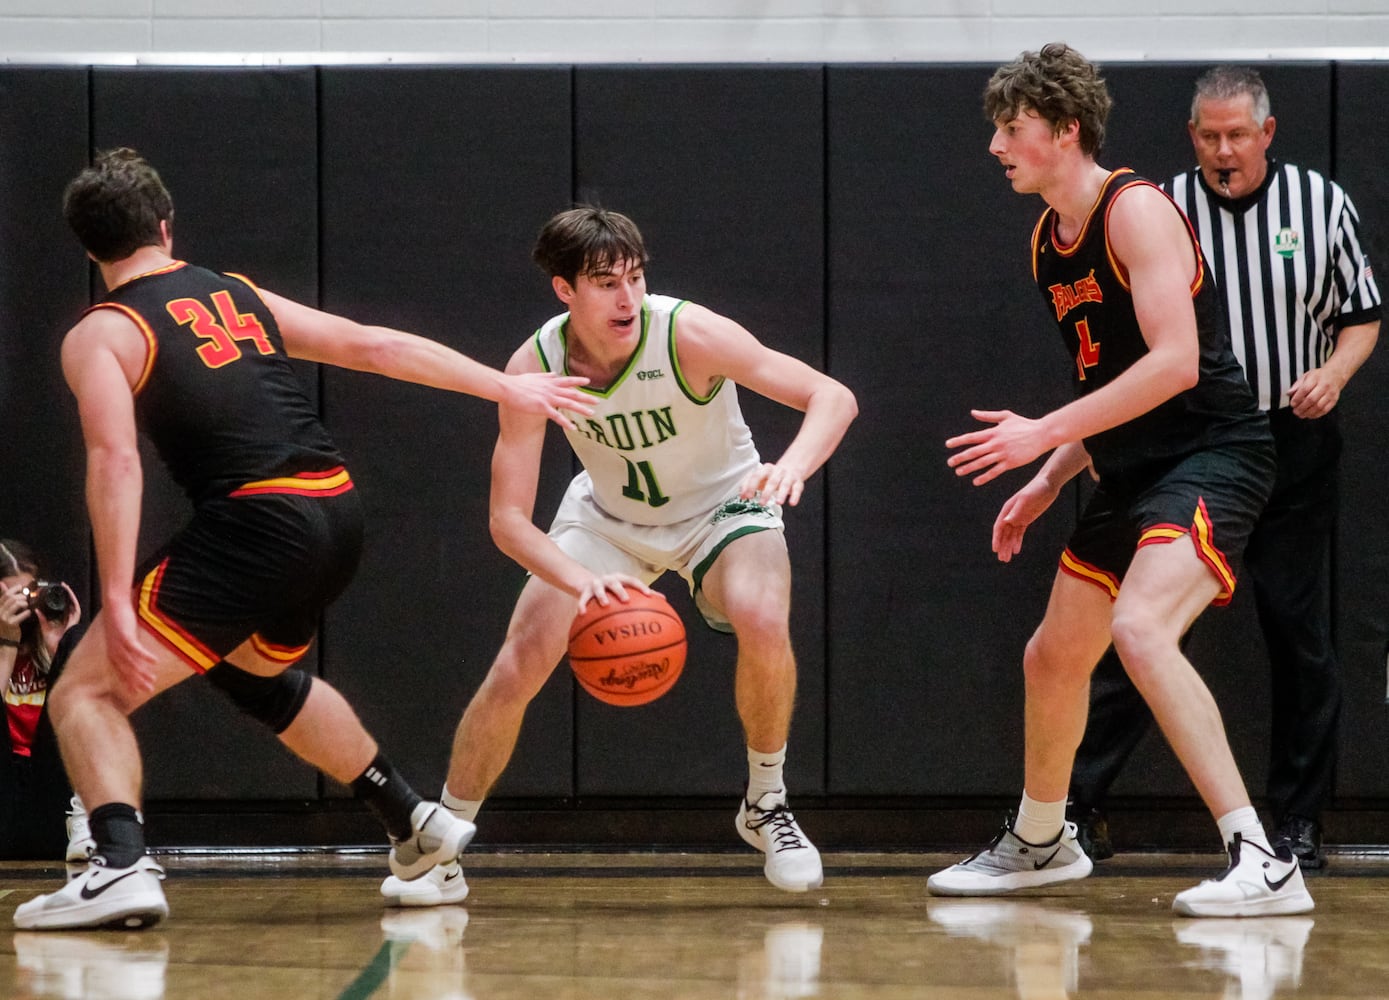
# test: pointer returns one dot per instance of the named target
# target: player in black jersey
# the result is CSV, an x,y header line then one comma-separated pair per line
x,y
1184,462
199,362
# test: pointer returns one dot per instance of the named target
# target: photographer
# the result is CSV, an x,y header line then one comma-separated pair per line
x,y
37,620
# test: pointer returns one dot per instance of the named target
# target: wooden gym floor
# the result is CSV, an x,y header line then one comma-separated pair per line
x,y
579,926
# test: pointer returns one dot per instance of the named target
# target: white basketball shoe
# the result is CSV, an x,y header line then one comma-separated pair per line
x,y
438,838
1011,863
793,863
100,896
442,885
1258,883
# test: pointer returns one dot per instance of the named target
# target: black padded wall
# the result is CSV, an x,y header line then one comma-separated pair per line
x,y
43,289
435,182
850,215
933,313
722,169
237,149
1362,554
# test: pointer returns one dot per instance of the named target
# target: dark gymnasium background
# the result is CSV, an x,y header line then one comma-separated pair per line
x,y
850,215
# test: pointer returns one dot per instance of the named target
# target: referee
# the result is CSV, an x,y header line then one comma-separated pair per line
x,y
1283,244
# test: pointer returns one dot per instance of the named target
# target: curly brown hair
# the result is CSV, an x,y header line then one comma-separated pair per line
x,y
1060,85
115,206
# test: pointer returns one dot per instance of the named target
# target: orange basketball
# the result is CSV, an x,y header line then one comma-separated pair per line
x,y
627,653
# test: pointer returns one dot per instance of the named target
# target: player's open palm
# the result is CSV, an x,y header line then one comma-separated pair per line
x,y
1010,443
547,394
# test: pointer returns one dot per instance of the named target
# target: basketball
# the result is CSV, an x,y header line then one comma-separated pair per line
x,y
627,653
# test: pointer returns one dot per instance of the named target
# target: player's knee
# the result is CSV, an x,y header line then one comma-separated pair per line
x,y
1139,639
1045,661
275,701
761,624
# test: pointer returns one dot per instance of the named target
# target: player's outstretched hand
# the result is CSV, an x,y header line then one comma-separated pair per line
x,y
547,394
609,587
1011,442
771,483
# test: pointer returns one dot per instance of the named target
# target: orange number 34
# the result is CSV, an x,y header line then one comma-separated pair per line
x,y
222,331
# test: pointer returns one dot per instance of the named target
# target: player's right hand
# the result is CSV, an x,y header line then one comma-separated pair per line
x,y
133,663
609,587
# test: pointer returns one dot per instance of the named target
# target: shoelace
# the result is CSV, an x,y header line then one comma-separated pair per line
x,y
783,825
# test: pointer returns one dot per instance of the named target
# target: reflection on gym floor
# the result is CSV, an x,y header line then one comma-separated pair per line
x,y
693,926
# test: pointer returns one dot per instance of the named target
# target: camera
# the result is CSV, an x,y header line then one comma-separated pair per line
x,y
49,599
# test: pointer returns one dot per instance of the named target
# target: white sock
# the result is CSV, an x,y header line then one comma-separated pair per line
x,y
462,808
1039,822
1246,823
764,773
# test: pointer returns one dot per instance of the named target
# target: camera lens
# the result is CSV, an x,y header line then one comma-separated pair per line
x,y
51,599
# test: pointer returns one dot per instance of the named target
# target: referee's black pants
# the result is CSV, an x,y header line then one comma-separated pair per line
x,y
1288,564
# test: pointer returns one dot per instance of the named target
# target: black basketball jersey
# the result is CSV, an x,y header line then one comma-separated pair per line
x,y
1088,293
218,397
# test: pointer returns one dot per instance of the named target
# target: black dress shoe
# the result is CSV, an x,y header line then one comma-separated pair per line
x,y
1303,837
1092,831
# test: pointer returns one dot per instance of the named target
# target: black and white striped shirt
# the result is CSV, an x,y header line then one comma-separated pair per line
x,y
1290,267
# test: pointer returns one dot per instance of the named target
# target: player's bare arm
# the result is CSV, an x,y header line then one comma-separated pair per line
x,y
710,347
511,504
1150,239
324,337
103,357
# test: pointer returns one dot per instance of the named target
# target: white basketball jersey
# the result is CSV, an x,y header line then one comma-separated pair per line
x,y
655,450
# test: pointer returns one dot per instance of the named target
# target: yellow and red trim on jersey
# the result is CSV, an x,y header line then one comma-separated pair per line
x,y
1072,566
146,331
288,655
328,483
169,632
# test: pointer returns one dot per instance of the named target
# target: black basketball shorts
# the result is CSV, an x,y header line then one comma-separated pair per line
x,y
261,567
1213,497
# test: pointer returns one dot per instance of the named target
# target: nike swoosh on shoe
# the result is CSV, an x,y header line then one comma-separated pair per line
x,y
90,892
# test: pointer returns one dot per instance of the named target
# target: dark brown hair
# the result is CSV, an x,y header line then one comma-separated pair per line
x,y
588,240
115,205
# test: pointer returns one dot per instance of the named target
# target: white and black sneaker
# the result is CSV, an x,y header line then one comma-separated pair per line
x,y
119,898
442,885
1011,863
793,863
1258,883
438,837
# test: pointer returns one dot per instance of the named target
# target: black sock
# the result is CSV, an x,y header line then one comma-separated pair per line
x,y
388,795
119,834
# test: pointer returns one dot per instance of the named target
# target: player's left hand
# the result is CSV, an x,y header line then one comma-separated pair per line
x,y
1011,442
1315,393
771,483
1021,509
547,394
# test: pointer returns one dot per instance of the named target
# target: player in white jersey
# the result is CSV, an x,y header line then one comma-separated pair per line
x,y
671,481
